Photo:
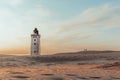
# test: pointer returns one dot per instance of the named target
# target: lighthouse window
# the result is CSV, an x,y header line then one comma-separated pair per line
x,y
34,51
34,39
34,43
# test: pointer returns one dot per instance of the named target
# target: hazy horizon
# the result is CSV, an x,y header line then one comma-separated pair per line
x,y
64,25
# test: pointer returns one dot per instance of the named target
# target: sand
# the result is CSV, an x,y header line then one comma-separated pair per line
x,y
61,67
63,72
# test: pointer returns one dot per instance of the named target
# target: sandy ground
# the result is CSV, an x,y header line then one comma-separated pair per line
x,y
92,66
63,72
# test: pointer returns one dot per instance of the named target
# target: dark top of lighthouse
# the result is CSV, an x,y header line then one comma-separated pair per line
x,y
36,31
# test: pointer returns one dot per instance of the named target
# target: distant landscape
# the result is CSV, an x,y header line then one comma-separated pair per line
x,y
80,57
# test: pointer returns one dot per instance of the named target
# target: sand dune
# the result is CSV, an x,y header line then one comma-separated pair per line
x,y
89,65
79,57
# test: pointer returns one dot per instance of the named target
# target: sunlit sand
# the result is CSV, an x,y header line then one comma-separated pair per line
x,y
70,66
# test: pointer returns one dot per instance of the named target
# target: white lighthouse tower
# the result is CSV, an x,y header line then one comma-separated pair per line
x,y
35,43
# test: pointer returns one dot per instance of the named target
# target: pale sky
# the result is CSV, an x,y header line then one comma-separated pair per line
x,y
64,25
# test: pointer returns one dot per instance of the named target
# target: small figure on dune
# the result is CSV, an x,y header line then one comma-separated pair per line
x,y
36,31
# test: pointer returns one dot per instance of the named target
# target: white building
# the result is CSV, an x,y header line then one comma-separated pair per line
x,y
35,43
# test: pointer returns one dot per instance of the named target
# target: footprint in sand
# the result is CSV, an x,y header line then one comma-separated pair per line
x,y
94,77
47,74
21,77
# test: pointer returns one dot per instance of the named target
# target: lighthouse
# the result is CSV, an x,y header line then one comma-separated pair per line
x,y
35,43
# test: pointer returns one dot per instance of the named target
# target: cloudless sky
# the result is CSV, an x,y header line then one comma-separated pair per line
x,y
64,25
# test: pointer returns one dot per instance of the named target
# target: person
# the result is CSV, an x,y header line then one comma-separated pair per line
x,y
36,31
